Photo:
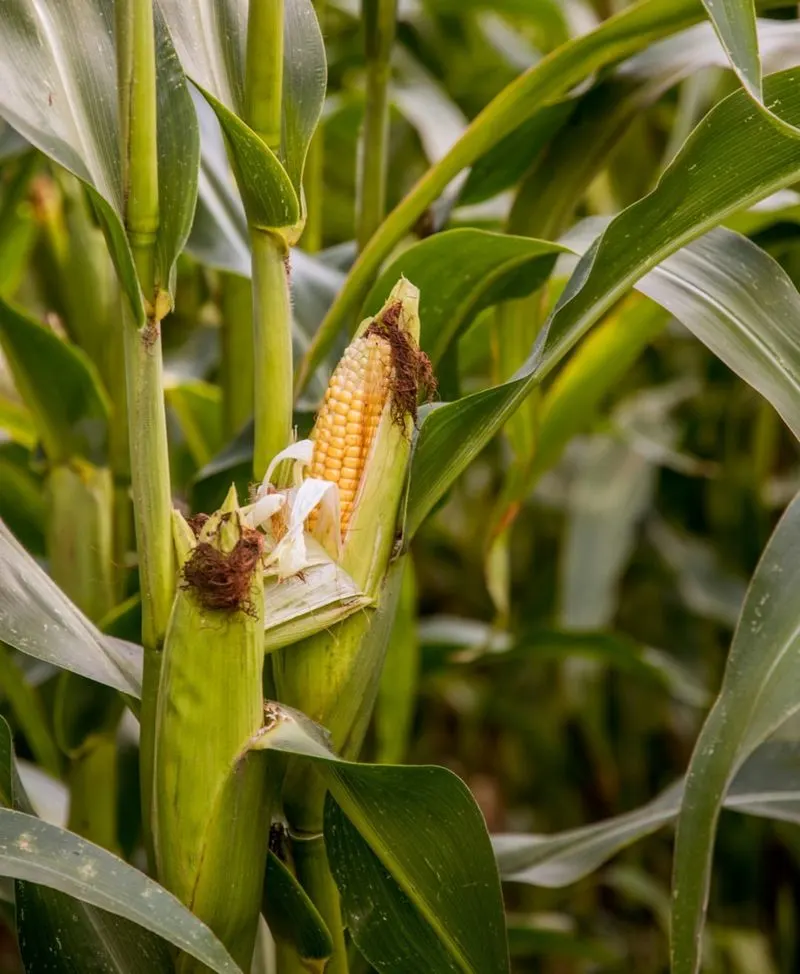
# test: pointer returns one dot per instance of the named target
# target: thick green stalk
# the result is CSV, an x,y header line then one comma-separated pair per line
x,y
263,87
143,365
236,367
272,348
272,319
618,37
314,875
314,186
379,18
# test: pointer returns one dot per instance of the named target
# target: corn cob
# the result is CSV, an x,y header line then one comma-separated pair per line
x,y
349,418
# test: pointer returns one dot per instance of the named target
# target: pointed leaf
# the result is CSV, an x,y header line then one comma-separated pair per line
x,y
409,828
211,42
760,691
768,785
291,915
38,619
459,272
58,88
714,286
36,852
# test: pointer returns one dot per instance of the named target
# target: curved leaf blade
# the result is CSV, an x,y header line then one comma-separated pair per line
x,y
735,24
39,620
211,42
760,691
698,285
733,158
58,88
65,932
415,823
34,851
59,383
455,272
768,785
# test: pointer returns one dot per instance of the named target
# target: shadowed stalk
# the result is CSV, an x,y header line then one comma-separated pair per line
x,y
314,874
314,173
379,18
236,366
272,322
143,362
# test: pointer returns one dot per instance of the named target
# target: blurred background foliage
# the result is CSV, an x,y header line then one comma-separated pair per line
x,y
563,667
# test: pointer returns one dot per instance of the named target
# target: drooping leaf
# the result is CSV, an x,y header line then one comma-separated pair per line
x,y
403,830
38,619
220,238
767,785
704,285
63,880
543,84
58,88
760,691
718,171
59,384
735,23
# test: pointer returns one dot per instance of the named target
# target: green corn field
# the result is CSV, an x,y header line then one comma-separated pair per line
x,y
399,533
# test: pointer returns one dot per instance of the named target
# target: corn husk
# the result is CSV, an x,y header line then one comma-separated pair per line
x,y
212,802
333,676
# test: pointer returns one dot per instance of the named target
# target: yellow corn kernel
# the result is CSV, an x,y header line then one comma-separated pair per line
x,y
349,417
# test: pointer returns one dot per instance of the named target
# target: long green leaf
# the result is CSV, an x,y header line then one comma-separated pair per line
x,y
732,159
459,272
410,827
78,934
760,691
718,171
59,384
768,785
39,620
58,88
735,23
617,38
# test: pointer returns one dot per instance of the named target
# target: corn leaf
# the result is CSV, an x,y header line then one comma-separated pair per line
x,y
58,88
381,854
458,273
767,785
291,915
211,39
545,83
79,907
718,171
39,620
58,382
760,691
220,238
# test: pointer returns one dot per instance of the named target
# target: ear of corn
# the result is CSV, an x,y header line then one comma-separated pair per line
x,y
211,803
348,421
333,676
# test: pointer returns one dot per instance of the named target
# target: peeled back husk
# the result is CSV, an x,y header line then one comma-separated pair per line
x,y
212,801
333,676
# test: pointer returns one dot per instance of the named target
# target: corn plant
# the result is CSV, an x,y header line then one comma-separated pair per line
x,y
210,564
